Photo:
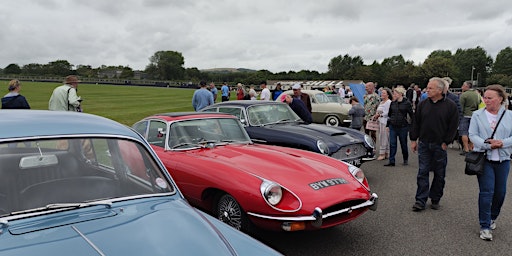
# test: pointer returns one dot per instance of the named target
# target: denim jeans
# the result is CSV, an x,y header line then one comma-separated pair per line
x,y
401,133
493,187
433,158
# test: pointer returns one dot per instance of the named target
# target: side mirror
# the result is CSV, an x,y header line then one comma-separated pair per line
x,y
161,132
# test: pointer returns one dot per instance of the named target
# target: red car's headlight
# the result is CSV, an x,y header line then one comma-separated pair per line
x,y
272,192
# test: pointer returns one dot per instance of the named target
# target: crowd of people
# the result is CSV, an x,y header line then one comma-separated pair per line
x,y
432,119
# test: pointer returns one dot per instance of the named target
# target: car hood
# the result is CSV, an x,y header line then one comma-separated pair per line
x,y
273,163
153,227
331,135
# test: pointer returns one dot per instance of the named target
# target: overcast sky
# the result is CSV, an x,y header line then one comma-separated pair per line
x,y
275,35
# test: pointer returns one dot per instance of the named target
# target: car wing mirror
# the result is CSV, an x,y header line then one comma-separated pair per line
x,y
243,121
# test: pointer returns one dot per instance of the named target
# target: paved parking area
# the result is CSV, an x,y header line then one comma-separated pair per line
x,y
394,229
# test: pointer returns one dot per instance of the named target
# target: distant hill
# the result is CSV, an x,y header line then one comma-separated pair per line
x,y
227,70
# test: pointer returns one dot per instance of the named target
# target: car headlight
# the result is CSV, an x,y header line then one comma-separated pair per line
x,y
359,175
272,192
369,141
322,146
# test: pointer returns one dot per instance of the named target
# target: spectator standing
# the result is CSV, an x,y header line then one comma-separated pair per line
x,y
252,93
382,117
434,127
240,91
265,92
451,96
214,91
400,111
342,93
371,102
65,98
299,108
411,95
469,101
356,113
202,97
493,181
276,92
418,95
13,99
297,93
225,93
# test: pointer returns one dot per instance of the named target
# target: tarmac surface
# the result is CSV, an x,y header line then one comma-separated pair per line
x,y
394,229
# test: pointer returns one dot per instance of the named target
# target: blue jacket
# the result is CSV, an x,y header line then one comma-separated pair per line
x,y
480,130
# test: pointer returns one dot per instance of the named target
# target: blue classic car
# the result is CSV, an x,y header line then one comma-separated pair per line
x,y
275,123
78,184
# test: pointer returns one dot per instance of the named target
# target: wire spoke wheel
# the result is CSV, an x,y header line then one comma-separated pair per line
x,y
230,212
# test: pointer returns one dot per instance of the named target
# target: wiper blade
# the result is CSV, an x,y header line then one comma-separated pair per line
x,y
184,144
63,206
78,205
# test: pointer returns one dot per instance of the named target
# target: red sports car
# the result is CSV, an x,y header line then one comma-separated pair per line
x,y
219,169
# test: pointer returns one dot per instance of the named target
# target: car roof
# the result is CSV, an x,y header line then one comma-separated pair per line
x,y
244,103
173,116
32,123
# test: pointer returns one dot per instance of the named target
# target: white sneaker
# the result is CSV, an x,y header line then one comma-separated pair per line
x,y
486,234
493,224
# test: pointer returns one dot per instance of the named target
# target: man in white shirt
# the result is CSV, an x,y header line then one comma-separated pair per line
x,y
265,92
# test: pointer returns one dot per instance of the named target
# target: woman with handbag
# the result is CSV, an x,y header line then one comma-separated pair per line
x,y
490,132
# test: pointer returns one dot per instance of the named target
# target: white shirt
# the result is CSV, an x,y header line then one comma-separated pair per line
x,y
493,119
265,94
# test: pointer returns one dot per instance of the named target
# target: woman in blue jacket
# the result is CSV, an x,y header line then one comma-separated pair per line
x,y
13,99
493,181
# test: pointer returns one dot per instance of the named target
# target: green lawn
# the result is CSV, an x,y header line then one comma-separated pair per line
x,y
125,104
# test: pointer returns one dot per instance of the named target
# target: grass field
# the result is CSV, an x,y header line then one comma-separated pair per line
x,y
125,104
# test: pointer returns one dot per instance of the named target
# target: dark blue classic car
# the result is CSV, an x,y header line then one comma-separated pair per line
x,y
78,184
275,123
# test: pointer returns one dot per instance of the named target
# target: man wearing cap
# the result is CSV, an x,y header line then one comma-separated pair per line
x,y
202,97
303,96
64,97
299,108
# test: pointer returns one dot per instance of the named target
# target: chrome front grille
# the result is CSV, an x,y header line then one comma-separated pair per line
x,y
350,152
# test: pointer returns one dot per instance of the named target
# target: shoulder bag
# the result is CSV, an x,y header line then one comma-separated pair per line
x,y
475,160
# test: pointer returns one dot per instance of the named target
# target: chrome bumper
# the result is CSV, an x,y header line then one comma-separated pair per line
x,y
317,216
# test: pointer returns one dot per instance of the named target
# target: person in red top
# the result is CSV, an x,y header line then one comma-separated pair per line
x,y
240,92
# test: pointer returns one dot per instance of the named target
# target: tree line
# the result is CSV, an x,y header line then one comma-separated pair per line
x,y
462,65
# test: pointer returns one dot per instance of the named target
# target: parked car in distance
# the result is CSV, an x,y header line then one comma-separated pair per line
x,y
324,110
220,170
275,123
78,184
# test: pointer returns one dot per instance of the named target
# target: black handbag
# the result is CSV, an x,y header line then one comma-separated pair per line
x,y
475,163
475,160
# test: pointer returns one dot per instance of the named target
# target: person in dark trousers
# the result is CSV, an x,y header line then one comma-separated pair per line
x,y
399,111
13,99
434,127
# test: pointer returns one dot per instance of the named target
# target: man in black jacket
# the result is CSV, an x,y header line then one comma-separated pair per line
x,y
434,126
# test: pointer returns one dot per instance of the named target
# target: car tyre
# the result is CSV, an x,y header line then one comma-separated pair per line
x,y
332,121
230,212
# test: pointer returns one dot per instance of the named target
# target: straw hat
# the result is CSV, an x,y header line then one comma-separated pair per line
x,y
71,79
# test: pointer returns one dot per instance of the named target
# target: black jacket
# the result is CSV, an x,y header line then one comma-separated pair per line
x,y
398,111
15,102
435,122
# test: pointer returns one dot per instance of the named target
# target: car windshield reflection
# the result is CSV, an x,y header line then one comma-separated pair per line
x,y
189,134
259,115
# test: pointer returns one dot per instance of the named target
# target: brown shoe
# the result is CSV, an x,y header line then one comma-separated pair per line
x,y
381,157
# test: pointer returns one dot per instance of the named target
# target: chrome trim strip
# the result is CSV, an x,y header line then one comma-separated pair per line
x,y
372,201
